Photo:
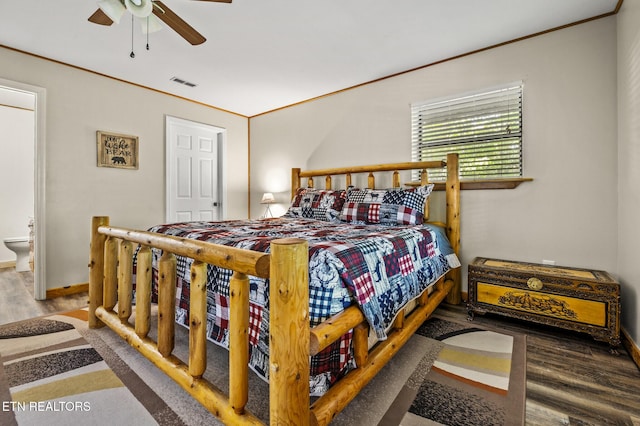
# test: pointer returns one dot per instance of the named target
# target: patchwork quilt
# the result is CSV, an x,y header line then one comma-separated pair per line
x,y
380,268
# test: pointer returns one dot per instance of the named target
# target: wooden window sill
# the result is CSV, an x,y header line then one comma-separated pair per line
x,y
508,183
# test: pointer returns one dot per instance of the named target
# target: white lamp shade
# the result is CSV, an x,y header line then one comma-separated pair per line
x,y
139,8
267,198
150,24
113,9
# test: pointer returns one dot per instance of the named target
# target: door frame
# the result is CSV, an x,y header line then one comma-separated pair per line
x,y
40,264
221,153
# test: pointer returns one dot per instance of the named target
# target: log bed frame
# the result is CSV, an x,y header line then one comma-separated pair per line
x,y
110,286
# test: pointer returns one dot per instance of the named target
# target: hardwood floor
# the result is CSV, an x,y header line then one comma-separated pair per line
x,y
571,379
17,302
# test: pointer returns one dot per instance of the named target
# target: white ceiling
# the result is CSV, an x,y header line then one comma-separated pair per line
x,y
264,54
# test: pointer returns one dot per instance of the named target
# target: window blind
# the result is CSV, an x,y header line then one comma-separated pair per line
x,y
484,128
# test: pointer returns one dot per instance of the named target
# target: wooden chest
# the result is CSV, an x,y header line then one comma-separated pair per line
x,y
576,299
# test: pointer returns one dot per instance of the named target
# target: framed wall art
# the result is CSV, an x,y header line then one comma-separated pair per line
x,y
117,150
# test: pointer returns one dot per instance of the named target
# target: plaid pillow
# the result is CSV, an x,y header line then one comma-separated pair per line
x,y
318,204
384,214
386,206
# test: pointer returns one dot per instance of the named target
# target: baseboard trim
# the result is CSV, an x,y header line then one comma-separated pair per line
x,y
68,290
8,264
631,347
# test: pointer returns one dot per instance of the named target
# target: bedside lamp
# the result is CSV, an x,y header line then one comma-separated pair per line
x,y
268,199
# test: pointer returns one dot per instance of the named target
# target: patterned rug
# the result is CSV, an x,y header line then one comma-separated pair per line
x,y
51,374
477,378
56,371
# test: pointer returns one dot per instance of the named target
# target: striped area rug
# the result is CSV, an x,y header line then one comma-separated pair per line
x,y
51,375
56,371
477,378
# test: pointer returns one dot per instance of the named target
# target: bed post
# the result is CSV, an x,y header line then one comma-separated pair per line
x,y
289,332
453,223
96,269
295,181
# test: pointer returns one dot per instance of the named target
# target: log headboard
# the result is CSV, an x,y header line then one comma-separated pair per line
x,y
452,188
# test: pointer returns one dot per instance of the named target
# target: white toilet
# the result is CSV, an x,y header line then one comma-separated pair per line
x,y
20,246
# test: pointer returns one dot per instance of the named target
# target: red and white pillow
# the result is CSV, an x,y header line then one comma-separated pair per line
x,y
325,205
386,206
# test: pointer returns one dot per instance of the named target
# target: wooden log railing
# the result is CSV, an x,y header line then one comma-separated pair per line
x,y
110,284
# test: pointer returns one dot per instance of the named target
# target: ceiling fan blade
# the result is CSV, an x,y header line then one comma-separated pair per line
x,y
100,18
176,23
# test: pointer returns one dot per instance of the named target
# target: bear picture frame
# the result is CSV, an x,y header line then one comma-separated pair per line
x,y
117,150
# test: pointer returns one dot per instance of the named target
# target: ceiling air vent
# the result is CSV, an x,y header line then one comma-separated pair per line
x,y
181,81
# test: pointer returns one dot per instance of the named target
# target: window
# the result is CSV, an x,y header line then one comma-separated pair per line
x,y
485,128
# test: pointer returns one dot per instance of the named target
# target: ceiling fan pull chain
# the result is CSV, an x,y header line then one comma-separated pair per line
x,y
147,33
133,55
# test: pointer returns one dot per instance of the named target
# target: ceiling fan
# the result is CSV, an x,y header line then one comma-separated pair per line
x,y
151,12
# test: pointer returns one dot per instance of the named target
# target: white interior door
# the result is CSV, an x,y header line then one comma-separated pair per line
x,y
194,186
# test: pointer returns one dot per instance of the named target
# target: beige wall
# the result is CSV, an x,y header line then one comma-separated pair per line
x,y
567,214
629,164
78,104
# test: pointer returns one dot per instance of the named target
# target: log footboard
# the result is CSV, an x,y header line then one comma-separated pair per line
x,y
110,281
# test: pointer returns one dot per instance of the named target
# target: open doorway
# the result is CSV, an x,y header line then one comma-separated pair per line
x,y
20,95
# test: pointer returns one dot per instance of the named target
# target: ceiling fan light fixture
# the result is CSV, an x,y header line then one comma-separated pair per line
x,y
111,11
112,8
150,24
139,8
